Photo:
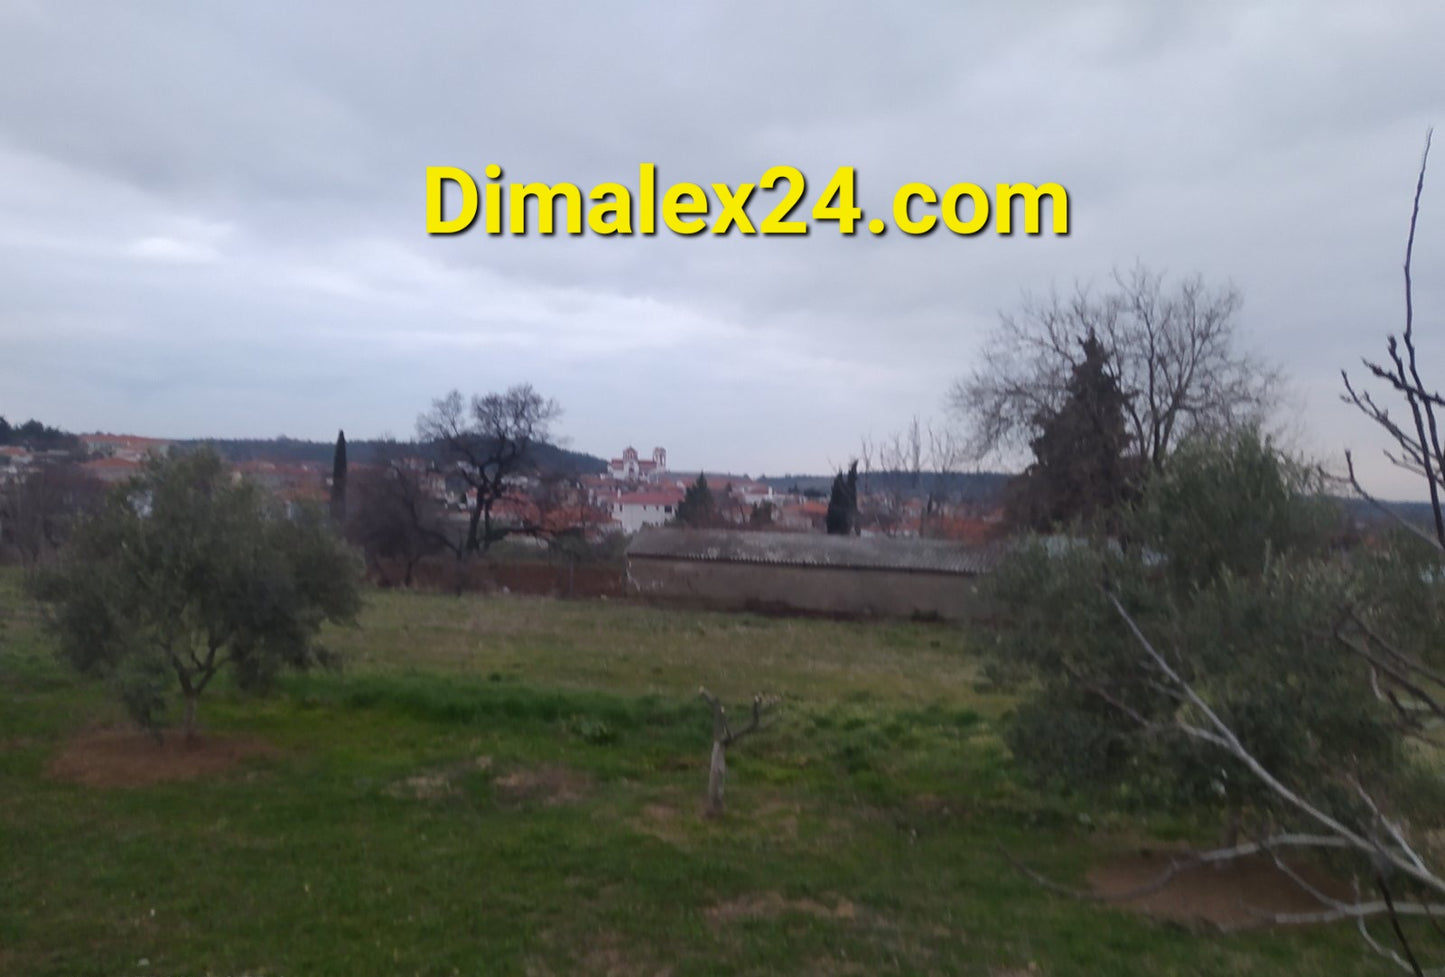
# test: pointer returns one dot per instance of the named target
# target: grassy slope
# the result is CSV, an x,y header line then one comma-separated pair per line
x,y
881,794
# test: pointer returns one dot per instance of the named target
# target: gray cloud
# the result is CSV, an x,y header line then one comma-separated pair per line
x,y
211,215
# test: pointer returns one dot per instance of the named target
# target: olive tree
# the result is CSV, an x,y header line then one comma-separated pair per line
x,y
1223,654
724,736
1221,645
1226,555
186,571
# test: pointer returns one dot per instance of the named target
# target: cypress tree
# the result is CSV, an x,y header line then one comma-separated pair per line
x,y
338,480
698,508
1081,469
842,517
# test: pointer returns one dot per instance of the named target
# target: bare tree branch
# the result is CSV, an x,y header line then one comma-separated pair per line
x,y
1404,858
1419,443
485,442
723,736
1174,355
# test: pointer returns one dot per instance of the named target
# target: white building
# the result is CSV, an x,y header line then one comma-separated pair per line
x,y
631,468
633,510
126,447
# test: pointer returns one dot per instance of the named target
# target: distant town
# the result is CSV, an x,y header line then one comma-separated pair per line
x,y
564,492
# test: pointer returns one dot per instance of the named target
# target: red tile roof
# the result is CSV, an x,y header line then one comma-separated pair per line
x,y
660,497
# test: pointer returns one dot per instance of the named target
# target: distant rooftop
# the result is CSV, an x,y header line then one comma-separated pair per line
x,y
652,497
811,549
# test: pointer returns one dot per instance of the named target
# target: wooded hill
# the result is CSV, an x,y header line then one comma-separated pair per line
x,y
549,458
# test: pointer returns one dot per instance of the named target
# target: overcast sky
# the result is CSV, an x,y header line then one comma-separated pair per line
x,y
212,215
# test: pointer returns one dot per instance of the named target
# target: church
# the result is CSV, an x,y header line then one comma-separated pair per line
x,y
631,468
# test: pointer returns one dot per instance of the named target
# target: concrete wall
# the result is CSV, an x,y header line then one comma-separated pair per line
x,y
585,580
825,590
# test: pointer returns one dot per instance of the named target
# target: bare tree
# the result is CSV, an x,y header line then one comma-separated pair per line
x,y
1173,350
485,442
394,519
1414,688
1416,435
724,736
563,509
38,511
876,507
564,515
914,463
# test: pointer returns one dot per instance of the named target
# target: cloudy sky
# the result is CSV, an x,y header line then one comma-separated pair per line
x,y
212,215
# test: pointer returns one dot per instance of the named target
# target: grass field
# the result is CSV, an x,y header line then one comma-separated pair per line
x,y
514,786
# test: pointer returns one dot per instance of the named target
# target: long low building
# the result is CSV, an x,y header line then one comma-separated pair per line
x,y
805,572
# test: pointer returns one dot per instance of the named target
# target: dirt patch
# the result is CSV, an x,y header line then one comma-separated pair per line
x,y
659,813
1241,894
771,904
667,819
779,819
132,758
549,785
604,955
423,787
436,784
610,960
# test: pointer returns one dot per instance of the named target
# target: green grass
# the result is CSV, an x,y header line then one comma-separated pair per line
x,y
862,836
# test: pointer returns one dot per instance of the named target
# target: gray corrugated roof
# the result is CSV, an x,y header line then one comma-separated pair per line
x,y
808,549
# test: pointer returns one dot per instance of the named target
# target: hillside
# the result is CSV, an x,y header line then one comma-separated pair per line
x,y
1419,514
290,450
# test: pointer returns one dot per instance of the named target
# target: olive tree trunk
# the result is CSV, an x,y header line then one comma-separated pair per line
x,y
190,717
716,778
724,736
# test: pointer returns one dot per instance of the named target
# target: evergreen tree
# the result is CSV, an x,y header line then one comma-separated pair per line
x,y
37,436
1080,469
698,508
338,481
842,517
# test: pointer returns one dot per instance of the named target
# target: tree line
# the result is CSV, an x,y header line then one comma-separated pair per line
x,y
159,584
